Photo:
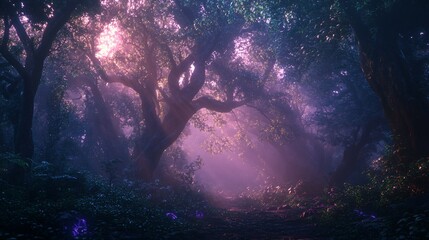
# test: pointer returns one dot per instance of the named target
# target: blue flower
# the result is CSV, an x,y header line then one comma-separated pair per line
x,y
199,214
172,216
79,228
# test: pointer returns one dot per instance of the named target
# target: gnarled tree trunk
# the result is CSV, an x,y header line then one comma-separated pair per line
x,y
155,140
405,105
389,73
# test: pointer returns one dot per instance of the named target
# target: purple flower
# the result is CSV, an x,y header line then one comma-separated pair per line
x,y
199,214
364,215
79,228
172,216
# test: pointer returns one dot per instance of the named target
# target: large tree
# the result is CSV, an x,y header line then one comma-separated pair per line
x,y
32,28
395,67
390,67
178,57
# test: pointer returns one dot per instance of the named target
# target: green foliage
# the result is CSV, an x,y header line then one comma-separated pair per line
x,y
366,210
391,205
39,11
187,174
412,226
277,131
399,178
123,211
390,182
301,195
10,160
13,159
303,32
274,196
55,117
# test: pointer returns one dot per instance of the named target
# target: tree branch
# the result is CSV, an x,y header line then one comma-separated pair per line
x,y
133,84
6,53
53,27
20,30
14,62
216,105
169,54
184,17
260,111
6,33
149,58
269,69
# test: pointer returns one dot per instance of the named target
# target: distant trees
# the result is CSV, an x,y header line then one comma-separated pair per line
x,y
9,93
347,113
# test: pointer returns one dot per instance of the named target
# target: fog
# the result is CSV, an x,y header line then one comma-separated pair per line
x,y
133,119
228,173
252,164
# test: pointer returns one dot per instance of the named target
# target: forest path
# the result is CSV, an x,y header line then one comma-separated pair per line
x,y
244,223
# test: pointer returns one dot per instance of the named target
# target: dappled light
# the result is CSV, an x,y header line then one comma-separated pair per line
x,y
213,119
109,41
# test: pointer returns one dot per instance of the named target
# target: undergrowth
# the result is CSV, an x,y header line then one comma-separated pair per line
x,y
393,204
78,205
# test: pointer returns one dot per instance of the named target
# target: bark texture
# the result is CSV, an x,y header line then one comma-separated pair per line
x,y
389,73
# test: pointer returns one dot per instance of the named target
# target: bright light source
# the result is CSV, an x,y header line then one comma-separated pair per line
x,y
108,41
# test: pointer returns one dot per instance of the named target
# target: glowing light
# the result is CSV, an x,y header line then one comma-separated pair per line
x,y
79,228
109,41
182,78
364,215
199,214
172,216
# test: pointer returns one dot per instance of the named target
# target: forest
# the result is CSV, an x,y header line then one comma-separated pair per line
x,y
214,119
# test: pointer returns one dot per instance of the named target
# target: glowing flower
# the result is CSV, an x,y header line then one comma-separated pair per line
x,y
79,228
199,214
172,216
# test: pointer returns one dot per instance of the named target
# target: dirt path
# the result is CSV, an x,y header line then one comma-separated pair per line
x,y
239,223
259,225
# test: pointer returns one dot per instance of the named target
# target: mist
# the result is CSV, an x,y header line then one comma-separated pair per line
x,y
214,119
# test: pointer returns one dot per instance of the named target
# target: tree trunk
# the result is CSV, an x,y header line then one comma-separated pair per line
x,y
30,71
155,140
24,145
348,165
147,155
405,105
23,136
352,155
389,74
